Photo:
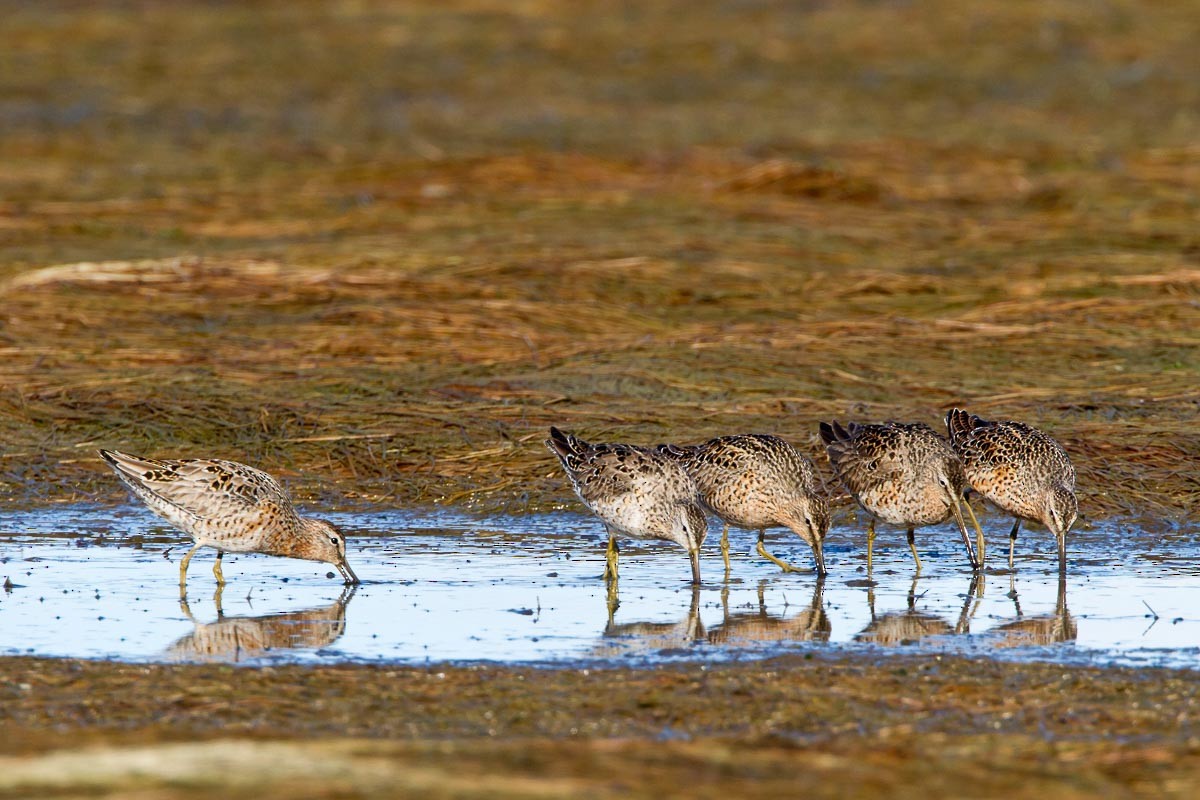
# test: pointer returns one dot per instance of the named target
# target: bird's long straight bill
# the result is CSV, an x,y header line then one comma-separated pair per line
x,y
348,573
962,528
819,555
695,556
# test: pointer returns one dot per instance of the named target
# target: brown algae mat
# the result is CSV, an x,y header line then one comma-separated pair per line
x,y
384,273
823,727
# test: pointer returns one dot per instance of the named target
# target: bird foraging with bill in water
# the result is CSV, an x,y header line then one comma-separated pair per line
x,y
636,492
758,481
230,507
903,474
1019,469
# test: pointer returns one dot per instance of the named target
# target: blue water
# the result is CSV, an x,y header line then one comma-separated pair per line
x,y
101,582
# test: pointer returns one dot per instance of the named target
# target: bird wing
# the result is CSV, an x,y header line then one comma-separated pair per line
x,y
202,488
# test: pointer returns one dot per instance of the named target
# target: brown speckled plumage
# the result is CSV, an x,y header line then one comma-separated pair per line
x,y
229,506
1020,469
758,481
900,473
635,492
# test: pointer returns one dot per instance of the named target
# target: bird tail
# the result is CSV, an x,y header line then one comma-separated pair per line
x,y
960,424
128,465
834,435
564,445
839,442
678,452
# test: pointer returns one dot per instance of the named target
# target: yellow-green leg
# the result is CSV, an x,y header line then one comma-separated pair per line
x,y
217,569
980,544
183,568
217,595
762,551
870,542
725,549
610,557
912,545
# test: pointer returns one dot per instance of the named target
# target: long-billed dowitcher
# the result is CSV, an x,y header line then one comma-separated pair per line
x,y
900,473
634,491
231,507
758,481
1020,469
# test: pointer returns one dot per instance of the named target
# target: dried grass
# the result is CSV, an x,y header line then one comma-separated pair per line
x,y
389,310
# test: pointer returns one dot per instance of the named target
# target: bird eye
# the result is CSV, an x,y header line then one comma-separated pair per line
x,y
333,540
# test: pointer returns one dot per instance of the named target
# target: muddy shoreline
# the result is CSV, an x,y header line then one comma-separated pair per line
x,y
874,725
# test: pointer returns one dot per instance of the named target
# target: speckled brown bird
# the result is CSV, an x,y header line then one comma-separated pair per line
x,y
635,492
1021,470
902,474
758,481
230,507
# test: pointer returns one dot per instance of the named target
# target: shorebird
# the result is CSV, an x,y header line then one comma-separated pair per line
x,y
231,507
1020,469
635,492
900,473
757,481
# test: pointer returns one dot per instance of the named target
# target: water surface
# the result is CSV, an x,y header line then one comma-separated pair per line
x,y
102,582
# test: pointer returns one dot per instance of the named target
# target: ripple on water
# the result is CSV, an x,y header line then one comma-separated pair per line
x,y
100,582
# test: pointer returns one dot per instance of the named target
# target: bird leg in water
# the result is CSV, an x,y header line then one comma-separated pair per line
x,y
870,543
183,567
1012,540
611,557
912,545
725,549
783,565
217,568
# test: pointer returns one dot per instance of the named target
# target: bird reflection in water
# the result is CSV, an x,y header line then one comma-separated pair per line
x,y
1041,630
232,639
629,638
911,625
810,625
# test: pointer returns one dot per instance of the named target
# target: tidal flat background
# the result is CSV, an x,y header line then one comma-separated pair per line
x,y
377,248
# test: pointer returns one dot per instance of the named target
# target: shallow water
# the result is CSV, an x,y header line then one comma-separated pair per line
x,y
101,582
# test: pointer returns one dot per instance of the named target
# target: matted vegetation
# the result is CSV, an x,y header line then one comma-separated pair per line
x,y
378,248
